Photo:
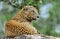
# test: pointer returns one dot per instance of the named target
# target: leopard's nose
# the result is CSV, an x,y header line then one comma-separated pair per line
x,y
37,16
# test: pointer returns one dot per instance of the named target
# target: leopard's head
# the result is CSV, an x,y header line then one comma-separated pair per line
x,y
30,13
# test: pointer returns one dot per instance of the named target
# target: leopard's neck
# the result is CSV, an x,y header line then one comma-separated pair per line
x,y
20,18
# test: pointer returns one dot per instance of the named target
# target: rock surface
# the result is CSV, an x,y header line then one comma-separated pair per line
x,y
32,37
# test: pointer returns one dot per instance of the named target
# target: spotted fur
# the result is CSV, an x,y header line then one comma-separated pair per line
x,y
20,24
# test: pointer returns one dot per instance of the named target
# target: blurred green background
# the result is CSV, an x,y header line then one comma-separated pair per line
x,y
49,10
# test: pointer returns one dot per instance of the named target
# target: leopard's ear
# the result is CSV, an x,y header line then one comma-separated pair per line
x,y
25,9
24,6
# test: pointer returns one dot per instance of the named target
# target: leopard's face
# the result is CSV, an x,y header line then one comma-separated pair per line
x,y
30,13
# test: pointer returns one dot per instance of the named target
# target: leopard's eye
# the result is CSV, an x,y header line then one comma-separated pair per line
x,y
34,12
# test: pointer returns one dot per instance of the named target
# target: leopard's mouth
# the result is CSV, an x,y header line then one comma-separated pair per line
x,y
31,19
34,19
